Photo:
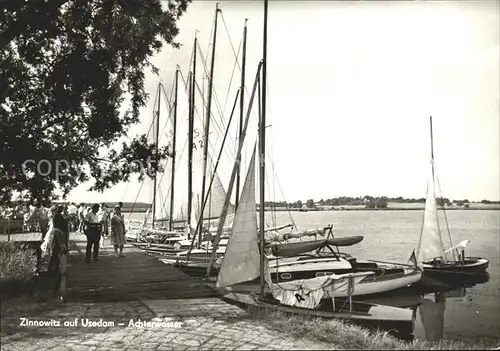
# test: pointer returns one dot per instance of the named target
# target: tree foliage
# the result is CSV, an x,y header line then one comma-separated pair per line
x,y
68,68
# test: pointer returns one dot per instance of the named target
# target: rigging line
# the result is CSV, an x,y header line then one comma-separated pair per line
x,y
169,119
197,86
444,213
157,95
205,68
231,80
272,144
161,89
272,194
211,35
282,193
232,48
226,152
160,182
215,96
216,122
135,201
211,144
184,82
423,217
176,169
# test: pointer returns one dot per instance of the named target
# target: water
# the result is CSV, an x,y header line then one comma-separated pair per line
x,y
472,315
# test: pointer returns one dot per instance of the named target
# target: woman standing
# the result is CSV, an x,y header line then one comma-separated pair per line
x,y
118,231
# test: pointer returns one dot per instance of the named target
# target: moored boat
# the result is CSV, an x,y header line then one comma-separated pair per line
x,y
450,266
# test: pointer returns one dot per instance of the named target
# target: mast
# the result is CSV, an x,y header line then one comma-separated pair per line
x,y
432,147
174,141
442,200
242,108
207,197
156,152
262,150
230,187
209,109
193,108
190,150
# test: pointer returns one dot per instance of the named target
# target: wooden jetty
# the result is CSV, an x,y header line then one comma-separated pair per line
x,y
137,276
167,291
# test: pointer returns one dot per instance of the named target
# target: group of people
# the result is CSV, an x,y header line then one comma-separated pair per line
x,y
96,223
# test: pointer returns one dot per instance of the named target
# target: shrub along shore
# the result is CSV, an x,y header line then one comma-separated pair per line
x,y
17,269
346,336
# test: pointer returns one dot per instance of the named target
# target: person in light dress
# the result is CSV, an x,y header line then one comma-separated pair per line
x,y
118,231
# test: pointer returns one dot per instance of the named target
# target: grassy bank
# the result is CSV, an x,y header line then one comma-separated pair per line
x,y
344,336
17,269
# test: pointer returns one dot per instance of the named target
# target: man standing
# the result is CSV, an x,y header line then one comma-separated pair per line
x,y
93,233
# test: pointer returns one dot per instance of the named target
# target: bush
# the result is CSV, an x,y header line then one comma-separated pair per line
x,y
17,262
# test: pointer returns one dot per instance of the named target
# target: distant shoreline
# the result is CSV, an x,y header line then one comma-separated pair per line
x,y
380,209
353,209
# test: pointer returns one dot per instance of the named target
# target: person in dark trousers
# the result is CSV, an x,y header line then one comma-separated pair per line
x,y
60,222
93,233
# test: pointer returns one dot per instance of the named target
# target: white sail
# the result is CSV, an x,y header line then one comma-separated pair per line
x,y
241,261
430,244
217,196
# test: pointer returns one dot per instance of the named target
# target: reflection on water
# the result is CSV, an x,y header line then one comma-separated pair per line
x,y
392,235
439,309
430,315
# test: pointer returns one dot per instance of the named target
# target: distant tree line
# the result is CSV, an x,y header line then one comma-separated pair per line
x,y
368,202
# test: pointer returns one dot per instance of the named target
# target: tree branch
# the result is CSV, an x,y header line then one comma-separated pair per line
x,y
22,24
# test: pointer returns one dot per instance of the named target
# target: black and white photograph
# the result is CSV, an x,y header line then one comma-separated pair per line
x,y
249,175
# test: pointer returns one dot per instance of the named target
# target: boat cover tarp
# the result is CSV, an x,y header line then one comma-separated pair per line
x,y
307,293
297,248
273,235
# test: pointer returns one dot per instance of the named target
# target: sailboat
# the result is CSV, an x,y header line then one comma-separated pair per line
x,y
450,266
245,259
242,262
191,261
185,209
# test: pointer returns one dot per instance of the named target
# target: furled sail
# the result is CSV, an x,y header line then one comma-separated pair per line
x,y
241,261
430,244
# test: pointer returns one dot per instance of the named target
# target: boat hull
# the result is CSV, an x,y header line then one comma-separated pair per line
x,y
471,271
374,285
370,285
290,269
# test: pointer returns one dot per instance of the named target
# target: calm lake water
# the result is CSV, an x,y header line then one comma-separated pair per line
x,y
472,314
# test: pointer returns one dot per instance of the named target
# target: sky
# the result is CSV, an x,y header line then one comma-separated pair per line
x,y
351,87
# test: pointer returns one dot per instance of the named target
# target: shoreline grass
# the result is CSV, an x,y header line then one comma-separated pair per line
x,y
17,269
17,261
346,336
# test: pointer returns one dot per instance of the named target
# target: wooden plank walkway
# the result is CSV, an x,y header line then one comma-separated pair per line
x,y
137,276
22,237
